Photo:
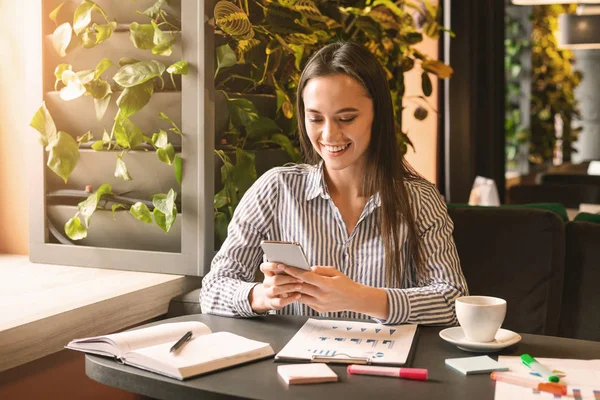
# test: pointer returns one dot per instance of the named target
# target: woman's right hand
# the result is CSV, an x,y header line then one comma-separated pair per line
x,y
276,291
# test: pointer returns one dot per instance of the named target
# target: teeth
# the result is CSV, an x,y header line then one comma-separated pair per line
x,y
335,149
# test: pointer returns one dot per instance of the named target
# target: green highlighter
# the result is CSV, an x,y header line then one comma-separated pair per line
x,y
535,366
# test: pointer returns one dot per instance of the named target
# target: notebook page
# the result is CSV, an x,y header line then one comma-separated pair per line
x,y
162,333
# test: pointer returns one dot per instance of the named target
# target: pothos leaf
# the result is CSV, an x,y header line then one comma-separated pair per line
x,y
64,154
141,212
75,229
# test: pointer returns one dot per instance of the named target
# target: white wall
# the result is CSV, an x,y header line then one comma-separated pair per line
x,y
13,126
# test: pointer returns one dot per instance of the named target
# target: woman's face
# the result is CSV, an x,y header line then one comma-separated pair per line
x,y
338,119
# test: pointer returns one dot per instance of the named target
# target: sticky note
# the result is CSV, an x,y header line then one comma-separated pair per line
x,y
475,365
306,373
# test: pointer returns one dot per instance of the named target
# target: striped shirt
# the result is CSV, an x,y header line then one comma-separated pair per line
x,y
293,204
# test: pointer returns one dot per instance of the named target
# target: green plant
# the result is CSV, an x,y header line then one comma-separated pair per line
x,y
554,82
262,47
136,81
515,44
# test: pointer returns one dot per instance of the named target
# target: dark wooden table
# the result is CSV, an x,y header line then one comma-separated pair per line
x,y
259,380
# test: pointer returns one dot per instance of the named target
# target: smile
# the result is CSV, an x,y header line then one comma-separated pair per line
x,y
336,149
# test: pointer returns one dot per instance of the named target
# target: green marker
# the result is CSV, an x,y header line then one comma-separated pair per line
x,y
535,366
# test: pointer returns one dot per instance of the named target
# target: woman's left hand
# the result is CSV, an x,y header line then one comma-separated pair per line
x,y
325,289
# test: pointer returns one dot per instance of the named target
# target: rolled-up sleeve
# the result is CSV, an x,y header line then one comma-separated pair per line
x,y
226,288
441,281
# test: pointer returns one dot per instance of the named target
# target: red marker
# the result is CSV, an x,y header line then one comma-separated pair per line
x,y
418,374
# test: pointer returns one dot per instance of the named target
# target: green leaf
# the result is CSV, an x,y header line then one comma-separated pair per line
x,y
154,11
287,145
42,122
98,145
101,105
75,229
61,37
140,72
178,68
98,89
166,154
141,212
86,137
280,98
178,168
114,208
221,223
175,128
127,134
165,211
83,16
160,139
104,31
162,42
242,112
74,87
244,173
134,98
263,127
58,71
54,13
64,154
121,170
225,58
88,206
426,84
102,66
220,199
141,35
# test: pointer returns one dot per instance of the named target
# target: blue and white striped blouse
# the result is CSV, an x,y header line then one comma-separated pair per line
x,y
292,204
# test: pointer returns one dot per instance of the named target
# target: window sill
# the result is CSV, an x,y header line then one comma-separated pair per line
x,y
43,307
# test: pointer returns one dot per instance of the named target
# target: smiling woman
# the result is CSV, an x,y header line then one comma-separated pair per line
x,y
377,234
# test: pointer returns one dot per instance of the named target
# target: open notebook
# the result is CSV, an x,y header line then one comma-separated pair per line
x,y
149,349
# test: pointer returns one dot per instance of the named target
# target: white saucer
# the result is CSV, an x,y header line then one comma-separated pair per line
x,y
504,338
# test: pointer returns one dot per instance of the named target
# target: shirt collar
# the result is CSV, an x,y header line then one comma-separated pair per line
x,y
316,186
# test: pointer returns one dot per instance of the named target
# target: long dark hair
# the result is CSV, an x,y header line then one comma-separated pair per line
x,y
386,169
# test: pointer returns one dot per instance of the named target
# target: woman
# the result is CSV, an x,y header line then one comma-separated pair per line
x,y
378,235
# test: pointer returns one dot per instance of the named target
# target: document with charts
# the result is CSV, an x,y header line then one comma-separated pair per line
x,y
582,378
321,340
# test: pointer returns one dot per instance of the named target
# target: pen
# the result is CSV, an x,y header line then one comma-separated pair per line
x,y
539,368
549,387
181,341
418,374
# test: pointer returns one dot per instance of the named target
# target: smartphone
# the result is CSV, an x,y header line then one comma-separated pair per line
x,y
288,253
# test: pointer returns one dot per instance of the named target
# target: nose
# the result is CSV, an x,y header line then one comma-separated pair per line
x,y
330,132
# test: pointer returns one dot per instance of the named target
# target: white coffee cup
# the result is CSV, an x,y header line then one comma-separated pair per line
x,y
480,316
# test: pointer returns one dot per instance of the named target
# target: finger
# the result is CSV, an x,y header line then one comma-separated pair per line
x,y
269,268
325,270
278,303
306,276
310,290
284,279
283,289
310,301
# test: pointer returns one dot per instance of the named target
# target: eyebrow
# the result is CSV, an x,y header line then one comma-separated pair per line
x,y
343,110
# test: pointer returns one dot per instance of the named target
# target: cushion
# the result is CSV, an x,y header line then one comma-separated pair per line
x,y
516,254
587,217
554,207
580,313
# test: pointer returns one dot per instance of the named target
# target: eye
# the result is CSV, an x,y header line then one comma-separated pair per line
x,y
314,120
347,119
